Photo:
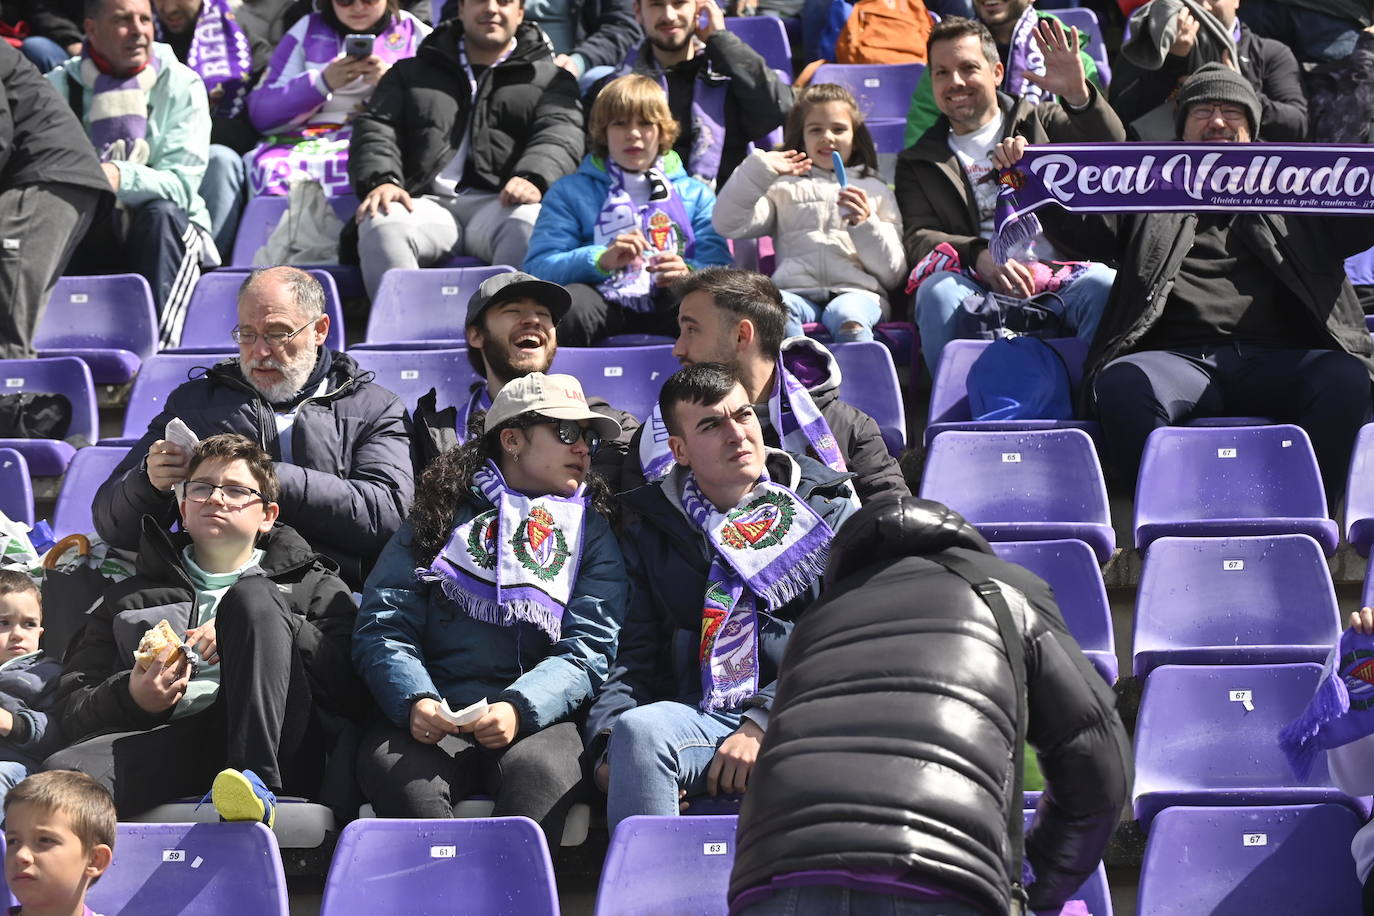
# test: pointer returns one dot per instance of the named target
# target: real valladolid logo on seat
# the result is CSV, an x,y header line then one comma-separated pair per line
x,y
540,546
760,524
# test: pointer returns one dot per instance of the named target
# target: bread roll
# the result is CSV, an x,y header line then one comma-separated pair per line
x,y
161,645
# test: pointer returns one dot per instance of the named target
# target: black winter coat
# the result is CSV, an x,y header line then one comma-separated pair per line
x,y
527,120
41,141
1268,65
93,695
1305,253
346,490
890,741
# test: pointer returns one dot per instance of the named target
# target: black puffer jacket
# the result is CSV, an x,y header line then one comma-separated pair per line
x,y
93,695
527,120
41,141
349,483
890,741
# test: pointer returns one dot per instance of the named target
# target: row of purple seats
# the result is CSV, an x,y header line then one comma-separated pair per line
x,y
64,375
1292,860
108,322
212,313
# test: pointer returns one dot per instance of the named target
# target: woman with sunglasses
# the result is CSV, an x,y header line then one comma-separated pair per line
x,y
315,83
504,590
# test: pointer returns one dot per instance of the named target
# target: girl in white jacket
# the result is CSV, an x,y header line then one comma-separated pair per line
x,y
838,249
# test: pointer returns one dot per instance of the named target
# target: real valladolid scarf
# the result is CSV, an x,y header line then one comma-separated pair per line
x,y
1181,177
1341,710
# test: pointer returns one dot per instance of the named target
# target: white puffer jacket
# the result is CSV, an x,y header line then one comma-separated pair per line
x,y
818,255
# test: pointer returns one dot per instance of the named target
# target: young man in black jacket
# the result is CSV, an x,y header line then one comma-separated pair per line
x,y
884,774
459,143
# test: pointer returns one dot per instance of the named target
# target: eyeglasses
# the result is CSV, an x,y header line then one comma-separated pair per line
x,y
569,432
234,496
1208,112
276,340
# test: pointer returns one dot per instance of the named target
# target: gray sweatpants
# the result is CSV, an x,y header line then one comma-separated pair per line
x,y
40,226
474,223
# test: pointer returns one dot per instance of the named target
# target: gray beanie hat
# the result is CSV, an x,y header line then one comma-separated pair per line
x,y
1217,82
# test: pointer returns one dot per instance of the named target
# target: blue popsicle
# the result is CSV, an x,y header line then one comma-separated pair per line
x,y
838,162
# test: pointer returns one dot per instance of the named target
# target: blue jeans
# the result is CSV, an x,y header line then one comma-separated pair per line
x,y
222,190
833,900
11,774
657,750
938,300
44,52
856,305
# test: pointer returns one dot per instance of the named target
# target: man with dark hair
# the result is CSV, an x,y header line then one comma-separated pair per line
x,y
147,115
720,91
1150,70
51,187
736,317
932,638
739,530
512,330
1227,314
263,626
947,188
340,443
458,144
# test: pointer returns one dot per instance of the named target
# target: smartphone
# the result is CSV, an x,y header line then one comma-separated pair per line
x,y
358,46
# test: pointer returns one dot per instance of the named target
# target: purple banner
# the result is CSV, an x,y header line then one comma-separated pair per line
x,y
1124,177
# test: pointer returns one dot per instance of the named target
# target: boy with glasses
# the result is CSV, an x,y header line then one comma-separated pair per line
x,y
264,625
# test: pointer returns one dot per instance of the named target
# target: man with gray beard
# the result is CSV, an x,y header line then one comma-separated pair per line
x,y
340,443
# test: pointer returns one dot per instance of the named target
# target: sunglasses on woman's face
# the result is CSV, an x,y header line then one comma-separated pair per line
x,y
568,432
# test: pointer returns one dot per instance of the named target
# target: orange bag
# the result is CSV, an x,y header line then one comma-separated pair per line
x,y
884,32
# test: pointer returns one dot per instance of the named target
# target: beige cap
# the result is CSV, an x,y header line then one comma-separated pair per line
x,y
558,397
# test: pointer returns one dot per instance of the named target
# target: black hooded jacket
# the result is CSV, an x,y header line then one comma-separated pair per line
x,y
890,739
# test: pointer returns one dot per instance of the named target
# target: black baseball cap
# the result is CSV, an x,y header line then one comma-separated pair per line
x,y
517,285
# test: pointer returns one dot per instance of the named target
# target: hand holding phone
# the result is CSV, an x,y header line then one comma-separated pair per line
x,y
358,46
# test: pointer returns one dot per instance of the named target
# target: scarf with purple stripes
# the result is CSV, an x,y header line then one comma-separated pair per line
x,y
516,562
663,222
118,114
767,550
1024,56
1341,710
709,91
220,53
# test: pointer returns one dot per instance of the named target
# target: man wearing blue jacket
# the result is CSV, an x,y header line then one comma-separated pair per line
x,y
724,554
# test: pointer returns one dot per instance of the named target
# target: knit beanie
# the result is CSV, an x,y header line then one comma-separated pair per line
x,y
1217,82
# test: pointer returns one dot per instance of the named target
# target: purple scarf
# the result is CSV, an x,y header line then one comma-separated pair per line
x,y
770,549
516,562
1183,178
1342,709
118,115
479,399
220,53
664,223
1024,56
708,114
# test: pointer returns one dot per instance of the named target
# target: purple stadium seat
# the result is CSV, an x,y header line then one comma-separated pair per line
x,y
107,322
1360,269
883,90
65,375
1359,493
637,340
899,337
1244,600
16,487
1023,486
767,36
661,865
424,309
949,407
411,373
90,468
889,134
213,313
1094,892
160,376
192,870
868,381
1071,570
1227,481
628,378
1245,861
495,866
1196,743
1085,20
